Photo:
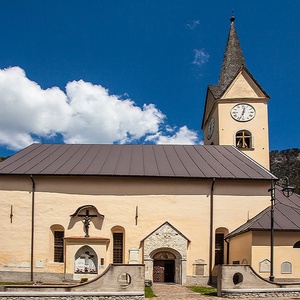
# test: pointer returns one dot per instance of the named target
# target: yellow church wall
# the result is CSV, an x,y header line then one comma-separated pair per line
x,y
242,90
240,249
243,87
258,127
17,204
184,203
283,252
230,212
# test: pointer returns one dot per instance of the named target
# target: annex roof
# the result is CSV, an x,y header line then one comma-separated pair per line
x,y
191,161
286,216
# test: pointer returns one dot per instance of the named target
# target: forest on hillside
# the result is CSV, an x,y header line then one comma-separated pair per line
x,y
285,163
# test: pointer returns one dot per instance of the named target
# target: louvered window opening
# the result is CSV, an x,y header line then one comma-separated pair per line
x,y
58,246
118,248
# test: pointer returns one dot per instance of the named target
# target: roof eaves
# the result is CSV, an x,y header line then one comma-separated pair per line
x,y
272,177
248,225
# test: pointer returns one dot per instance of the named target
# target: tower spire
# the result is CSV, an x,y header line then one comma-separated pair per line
x,y
233,58
232,17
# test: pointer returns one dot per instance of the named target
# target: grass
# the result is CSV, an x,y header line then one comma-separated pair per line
x,y
204,290
149,292
16,283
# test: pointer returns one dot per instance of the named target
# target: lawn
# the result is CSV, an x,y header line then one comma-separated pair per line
x,y
149,292
204,290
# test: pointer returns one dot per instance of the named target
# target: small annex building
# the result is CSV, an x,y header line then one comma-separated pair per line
x,y
250,243
69,211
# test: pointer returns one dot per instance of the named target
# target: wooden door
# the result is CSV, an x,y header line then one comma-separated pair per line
x,y
159,271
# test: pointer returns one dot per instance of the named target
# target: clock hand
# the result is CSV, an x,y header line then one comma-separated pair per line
x,y
243,112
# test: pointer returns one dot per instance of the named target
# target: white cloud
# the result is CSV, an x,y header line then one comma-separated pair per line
x,y
28,110
200,57
98,117
85,113
193,24
183,136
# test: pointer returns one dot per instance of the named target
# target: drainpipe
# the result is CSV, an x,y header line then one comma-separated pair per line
x,y
211,233
32,227
228,248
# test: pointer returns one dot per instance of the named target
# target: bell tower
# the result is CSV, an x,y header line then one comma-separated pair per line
x,y
236,110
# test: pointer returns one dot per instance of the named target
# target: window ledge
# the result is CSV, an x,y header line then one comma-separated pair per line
x,y
246,149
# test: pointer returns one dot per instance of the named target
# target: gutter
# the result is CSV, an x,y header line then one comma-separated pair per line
x,y
211,233
32,227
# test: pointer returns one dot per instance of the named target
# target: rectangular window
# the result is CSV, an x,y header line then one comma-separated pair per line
x,y
58,246
118,248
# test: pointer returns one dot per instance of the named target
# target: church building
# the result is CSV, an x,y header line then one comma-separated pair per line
x,y
68,211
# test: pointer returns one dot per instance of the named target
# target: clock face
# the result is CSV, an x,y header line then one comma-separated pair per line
x,y
243,112
210,128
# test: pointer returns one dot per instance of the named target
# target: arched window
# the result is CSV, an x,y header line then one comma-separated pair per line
x,y
243,139
118,244
297,245
58,234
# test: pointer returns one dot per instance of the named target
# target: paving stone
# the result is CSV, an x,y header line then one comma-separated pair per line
x,y
180,292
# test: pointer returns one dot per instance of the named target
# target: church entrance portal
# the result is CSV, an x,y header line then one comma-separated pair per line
x,y
164,267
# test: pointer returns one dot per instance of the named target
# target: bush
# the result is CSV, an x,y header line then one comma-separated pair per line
x,y
148,282
83,279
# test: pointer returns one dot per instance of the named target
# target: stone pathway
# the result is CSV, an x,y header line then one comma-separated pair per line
x,y
180,292
176,292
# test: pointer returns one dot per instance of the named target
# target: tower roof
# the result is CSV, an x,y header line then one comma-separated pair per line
x,y
233,59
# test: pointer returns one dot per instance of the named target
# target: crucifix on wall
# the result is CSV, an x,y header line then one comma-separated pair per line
x,y
86,221
87,214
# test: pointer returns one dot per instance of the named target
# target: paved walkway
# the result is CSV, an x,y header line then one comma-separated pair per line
x,y
176,292
180,292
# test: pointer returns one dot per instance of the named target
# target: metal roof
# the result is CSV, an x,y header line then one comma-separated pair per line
x,y
286,216
189,161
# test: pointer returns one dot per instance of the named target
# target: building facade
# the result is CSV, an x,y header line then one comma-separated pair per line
x,y
68,211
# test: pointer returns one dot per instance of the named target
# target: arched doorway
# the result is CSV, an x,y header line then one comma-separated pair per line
x,y
164,267
86,261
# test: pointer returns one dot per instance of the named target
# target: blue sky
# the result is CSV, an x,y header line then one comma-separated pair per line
x,y
137,71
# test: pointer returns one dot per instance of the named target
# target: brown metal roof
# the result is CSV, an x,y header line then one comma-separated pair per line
x,y
134,160
286,216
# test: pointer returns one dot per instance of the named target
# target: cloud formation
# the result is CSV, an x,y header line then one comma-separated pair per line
x,y
200,57
84,113
193,24
183,136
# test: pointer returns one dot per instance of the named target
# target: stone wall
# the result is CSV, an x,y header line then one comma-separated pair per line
x,y
81,296
236,281
118,281
12,276
197,280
